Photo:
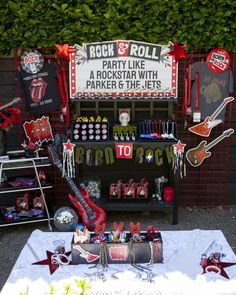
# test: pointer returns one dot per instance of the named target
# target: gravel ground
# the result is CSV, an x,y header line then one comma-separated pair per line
x,y
13,238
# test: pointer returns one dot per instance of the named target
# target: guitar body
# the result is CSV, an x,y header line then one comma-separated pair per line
x,y
83,214
101,217
100,214
204,128
197,155
90,213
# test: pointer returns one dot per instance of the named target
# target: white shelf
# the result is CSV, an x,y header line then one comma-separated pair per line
x,y
26,166
8,191
25,163
7,223
24,160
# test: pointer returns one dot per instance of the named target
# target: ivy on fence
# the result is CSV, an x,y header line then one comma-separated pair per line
x,y
202,24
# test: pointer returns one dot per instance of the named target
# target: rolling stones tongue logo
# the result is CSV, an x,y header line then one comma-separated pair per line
x,y
118,253
37,89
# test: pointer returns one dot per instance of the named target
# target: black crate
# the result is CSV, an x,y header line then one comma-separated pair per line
x,y
144,252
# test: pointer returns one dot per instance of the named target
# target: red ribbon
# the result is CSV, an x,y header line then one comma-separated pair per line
x,y
63,90
185,100
197,90
189,85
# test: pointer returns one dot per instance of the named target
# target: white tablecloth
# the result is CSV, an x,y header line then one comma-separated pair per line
x,y
179,274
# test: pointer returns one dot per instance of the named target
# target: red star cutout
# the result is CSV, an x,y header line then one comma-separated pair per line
x,y
64,50
179,147
178,51
52,266
220,265
68,146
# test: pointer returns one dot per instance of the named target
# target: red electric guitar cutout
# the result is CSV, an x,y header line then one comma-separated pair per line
x,y
197,155
204,128
86,255
88,210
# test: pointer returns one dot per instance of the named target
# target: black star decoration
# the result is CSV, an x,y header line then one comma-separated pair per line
x,y
52,266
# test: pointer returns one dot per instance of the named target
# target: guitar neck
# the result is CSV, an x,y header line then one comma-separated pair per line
x,y
215,141
7,105
56,161
219,109
70,181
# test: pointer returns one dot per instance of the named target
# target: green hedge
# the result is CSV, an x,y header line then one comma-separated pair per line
x,y
202,24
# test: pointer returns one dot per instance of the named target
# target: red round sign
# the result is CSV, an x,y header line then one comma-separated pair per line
x,y
218,60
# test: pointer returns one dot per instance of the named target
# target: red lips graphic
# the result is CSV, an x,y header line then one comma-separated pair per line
x,y
37,89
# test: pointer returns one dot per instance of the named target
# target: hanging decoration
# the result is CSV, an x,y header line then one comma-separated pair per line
x,y
90,157
109,155
178,164
197,111
218,60
204,128
38,131
124,150
196,156
9,115
32,61
39,82
68,159
99,157
139,155
106,156
64,50
186,105
43,80
62,84
158,156
207,90
149,156
124,69
179,51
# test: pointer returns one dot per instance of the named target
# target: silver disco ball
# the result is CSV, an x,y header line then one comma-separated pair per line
x,y
65,218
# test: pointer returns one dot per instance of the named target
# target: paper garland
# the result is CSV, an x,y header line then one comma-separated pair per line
x,y
106,156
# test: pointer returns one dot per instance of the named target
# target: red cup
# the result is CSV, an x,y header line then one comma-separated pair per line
x,y
168,194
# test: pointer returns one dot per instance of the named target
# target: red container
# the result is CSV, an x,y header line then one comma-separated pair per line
x,y
168,194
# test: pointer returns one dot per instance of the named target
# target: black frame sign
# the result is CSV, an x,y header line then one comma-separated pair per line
x,y
123,70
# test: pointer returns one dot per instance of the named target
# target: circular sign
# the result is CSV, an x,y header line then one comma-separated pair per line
x,y
218,60
32,61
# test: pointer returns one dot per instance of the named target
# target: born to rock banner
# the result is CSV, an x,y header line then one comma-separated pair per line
x,y
122,69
